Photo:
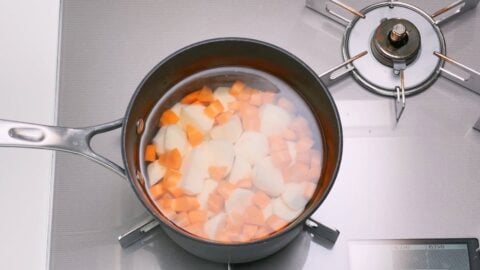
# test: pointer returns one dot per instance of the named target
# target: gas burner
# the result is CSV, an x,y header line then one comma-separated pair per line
x,y
395,49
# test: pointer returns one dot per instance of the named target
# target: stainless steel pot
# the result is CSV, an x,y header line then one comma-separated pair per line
x,y
156,89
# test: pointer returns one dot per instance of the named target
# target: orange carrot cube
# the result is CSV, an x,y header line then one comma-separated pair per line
x,y
214,109
236,88
268,97
150,154
184,204
289,135
281,158
169,117
217,172
224,188
196,229
176,191
261,199
165,204
286,104
171,159
191,98
254,216
244,183
197,216
171,178
194,135
156,191
249,231
215,203
181,220
256,99
224,117
276,223
277,143
205,95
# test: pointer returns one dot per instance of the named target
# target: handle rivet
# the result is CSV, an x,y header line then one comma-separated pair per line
x,y
140,126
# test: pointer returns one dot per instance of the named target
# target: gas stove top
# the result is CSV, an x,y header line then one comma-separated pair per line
x,y
416,178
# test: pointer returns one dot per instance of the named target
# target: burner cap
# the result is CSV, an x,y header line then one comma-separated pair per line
x,y
396,40
397,36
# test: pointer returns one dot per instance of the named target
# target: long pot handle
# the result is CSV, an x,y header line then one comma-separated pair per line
x,y
72,140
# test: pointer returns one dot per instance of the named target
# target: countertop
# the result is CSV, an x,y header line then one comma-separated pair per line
x,y
28,57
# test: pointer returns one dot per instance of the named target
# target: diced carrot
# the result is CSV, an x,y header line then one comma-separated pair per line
x,y
217,172
268,97
297,172
262,232
176,191
299,123
223,117
181,219
249,231
171,159
215,203
165,204
254,216
277,143
309,189
150,154
289,135
222,236
276,223
304,156
197,216
251,123
167,196
247,111
234,105
245,94
256,99
156,191
224,188
205,95
214,109
304,144
286,104
183,204
234,222
169,117
281,158
196,229
244,183
191,98
194,135
261,199
236,88
168,213
171,178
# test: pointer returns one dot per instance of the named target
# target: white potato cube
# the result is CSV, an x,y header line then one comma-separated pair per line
x,y
208,187
267,177
194,170
273,119
223,95
194,115
155,172
239,199
283,211
252,146
212,225
293,196
175,137
229,131
241,169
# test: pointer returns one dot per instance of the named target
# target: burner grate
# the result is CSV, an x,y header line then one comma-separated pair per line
x,y
399,49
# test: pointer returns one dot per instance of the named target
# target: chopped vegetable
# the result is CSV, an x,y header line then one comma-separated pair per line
x,y
194,135
217,172
205,95
237,88
150,154
169,117
261,199
223,117
191,98
214,109
171,159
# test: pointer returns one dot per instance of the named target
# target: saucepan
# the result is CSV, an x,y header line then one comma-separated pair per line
x,y
157,92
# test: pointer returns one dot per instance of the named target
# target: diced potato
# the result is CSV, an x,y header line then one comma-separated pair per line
x,y
194,170
220,153
241,169
223,95
252,146
213,224
155,172
283,211
195,116
273,119
208,187
293,196
267,177
175,137
239,199
229,131
159,140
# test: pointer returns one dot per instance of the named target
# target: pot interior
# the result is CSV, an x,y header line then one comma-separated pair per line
x,y
218,63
